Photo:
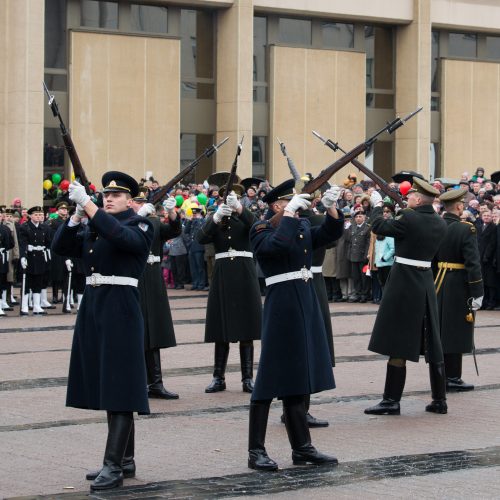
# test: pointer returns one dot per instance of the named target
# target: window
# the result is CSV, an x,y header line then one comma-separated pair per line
x,y
462,45
295,31
259,156
55,34
149,18
260,59
493,47
337,35
97,14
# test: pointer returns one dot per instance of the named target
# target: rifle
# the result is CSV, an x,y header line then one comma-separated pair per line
x,y
291,165
185,171
325,174
372,175
232,175
68,143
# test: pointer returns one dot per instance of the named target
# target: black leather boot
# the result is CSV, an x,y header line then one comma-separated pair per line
x,y
394,384
128,462
313,421
156,389
438,389
258,458
111,475
246,360
303,452
220,362
453,370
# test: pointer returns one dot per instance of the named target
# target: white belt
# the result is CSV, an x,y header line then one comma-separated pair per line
x,y
3,255
316,269
303,274
97,279
232,254
39,248
152,259
412,262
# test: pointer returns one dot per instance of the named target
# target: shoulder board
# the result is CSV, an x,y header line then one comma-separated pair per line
x,y
471,226
466,222
261,226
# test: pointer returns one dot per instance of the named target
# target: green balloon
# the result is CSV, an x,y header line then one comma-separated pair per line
x,y
53,216
56,178
179,200
202,198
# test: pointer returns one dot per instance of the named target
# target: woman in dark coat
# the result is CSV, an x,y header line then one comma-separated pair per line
x,y
234,309
295,359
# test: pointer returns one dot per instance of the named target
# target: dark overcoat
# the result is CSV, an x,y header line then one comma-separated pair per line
x,y
343,264
234,308
458,285
158,325
294,355
37,236
318,257
409,297
107,368
57,265
6,243
487,242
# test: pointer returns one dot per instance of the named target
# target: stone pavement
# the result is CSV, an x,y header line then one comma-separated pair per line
x,y
195,447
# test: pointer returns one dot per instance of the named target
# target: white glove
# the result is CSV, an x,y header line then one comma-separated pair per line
x,y
24,262
477,302
77,194
233,202
222,211
330,196
169,204
299,201
376,199
69,265
80,212
146,209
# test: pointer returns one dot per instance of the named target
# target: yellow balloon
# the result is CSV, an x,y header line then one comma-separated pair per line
x,y
47,184
72,176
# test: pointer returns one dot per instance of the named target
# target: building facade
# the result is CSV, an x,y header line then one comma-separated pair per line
x,y
146,86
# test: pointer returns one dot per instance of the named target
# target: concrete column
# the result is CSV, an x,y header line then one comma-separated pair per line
x,y
235,84
413,89
21,100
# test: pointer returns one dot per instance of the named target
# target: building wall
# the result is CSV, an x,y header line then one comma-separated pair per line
x,y
125,110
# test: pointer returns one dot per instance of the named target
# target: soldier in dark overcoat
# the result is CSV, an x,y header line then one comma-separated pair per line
x,y
107,369
487,241
459,288
295,360
407,323
6,244
34,251
158,325
234,292
13,258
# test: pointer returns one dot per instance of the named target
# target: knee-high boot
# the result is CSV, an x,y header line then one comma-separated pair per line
x,y
220,362
246,360
453,369
111,475
257,455
128,462
394,384
156,388
303,451
313,421
438,389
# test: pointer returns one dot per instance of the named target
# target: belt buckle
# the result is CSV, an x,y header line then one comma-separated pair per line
x,y
231,253
93,280
304,274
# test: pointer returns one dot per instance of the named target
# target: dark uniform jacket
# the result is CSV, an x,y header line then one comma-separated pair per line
x,y
33,236
6,243
459,246
295,358
318,257
58,267
158,325
234,308
107,369
409,295
487,241
359,241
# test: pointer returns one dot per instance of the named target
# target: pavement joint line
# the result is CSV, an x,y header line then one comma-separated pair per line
x,y
298,478
44,382
322,400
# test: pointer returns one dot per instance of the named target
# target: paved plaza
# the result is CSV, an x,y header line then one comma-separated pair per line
x,y
195,447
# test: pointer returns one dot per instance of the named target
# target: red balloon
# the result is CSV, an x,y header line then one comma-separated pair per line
x,y
91,186
404,187
64,184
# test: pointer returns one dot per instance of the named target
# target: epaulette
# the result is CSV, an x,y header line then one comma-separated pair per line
x,y
472,227
261,226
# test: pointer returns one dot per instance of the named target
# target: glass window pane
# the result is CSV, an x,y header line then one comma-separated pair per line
x,y
259,49
97,14
57,83
435,61
337,35
55,34
192,146
196,90
148,18
259,156
462,45
296,31
493,47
